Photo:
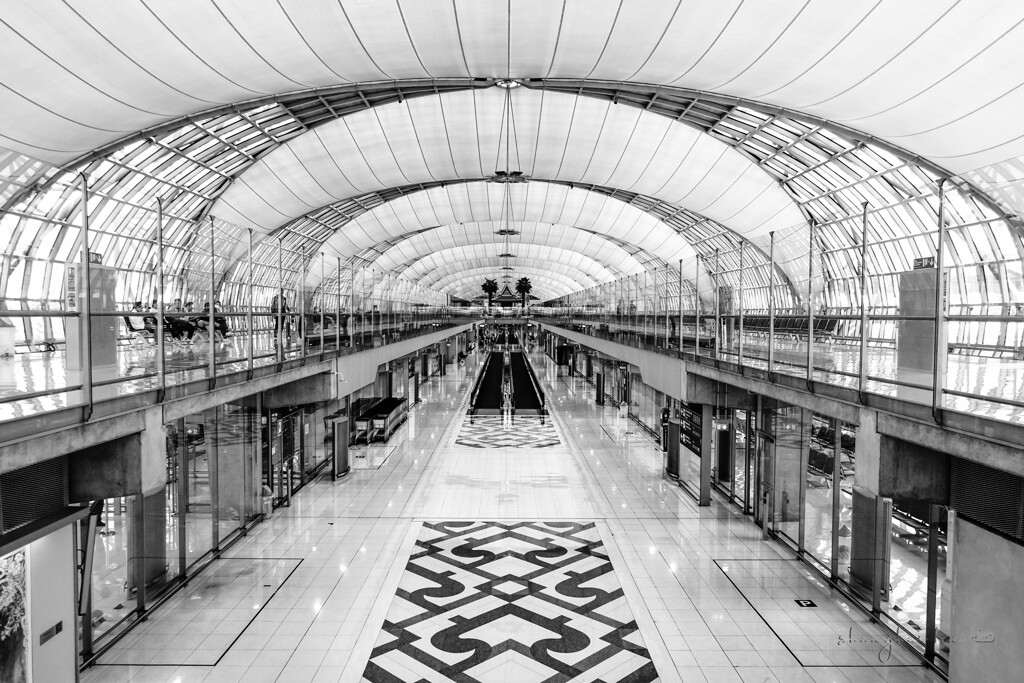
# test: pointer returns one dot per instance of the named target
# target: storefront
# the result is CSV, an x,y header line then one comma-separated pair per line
x,y
37,607
794,470
297,448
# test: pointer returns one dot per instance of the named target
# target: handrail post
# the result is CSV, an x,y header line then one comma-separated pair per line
x,y
679,319
718,305
161,370
810,307
771,302
940,346
862,379
696,313
337,322
280,303
85,329
249,351
739,324
618,306
323,300
352,303
636,309
211,327
666,294
301,289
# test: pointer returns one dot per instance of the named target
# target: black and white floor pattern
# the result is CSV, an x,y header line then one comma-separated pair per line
x,y
489,431
481,602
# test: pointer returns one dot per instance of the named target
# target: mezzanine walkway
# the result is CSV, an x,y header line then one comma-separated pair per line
x,y
314,585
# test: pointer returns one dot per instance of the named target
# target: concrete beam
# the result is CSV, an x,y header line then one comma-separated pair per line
x,y
314,389
197,403
846,412
670,375
43,446
976,449
40,447
867,474
107,470
357,370
910,471
703,390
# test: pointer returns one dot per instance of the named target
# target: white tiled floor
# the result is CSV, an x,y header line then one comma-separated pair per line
x,y
354,536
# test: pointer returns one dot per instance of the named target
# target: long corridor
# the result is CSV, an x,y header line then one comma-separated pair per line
x,y
477,552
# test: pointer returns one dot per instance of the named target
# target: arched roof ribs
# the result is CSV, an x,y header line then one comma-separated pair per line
x,y
708,111
703,234
191,160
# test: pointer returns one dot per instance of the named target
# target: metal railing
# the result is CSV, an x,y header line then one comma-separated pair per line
x,y
957,380
78,371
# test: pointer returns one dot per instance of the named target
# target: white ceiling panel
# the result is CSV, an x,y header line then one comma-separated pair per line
x,y
939,78
606,144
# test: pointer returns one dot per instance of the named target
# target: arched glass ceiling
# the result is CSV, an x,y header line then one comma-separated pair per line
x,y
466,284
460,135
604,259
533,202
614,254
433,267
780,105
836,172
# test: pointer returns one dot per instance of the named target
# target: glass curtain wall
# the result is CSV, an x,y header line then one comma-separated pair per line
x,y
733,455
645,404
148,544
823,303
174,301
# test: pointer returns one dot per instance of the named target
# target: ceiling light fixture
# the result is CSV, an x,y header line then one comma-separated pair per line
x,y
505,174
508,177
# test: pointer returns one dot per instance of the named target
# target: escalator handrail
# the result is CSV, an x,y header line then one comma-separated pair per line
x,y
534,381
511,387
479,381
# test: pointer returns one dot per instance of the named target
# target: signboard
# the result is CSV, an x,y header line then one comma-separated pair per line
x,y
690,426
805,603
924,262
72,288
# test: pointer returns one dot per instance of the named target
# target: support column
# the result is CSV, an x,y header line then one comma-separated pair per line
x,y
864,556
707,433
672,457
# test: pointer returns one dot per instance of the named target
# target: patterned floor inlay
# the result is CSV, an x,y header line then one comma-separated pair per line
x,y
525,601
489,431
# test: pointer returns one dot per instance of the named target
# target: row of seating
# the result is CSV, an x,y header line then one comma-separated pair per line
x,y
827,435
790,324
176,330
822,464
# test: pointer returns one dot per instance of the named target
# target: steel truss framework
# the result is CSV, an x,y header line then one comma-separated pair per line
x,y
830,172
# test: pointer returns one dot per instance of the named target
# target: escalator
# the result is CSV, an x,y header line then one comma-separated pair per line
x,y
487,395
529,399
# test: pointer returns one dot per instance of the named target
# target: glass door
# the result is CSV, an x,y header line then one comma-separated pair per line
x,y
277,470
294,450
764,455
742,460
